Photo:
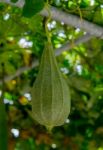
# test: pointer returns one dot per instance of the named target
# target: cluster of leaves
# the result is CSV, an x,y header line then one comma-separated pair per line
x,y
22,39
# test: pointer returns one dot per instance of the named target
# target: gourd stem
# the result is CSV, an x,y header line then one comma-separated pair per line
x,y
49,129
47,21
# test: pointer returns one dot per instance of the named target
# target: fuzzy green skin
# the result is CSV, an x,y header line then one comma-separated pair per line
x,y
50,93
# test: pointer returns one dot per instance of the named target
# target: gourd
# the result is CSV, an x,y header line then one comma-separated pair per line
x,y
50,93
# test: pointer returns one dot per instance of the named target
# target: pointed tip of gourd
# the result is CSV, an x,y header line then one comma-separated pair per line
x,y
49,129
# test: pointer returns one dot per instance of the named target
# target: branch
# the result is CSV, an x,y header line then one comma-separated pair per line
x,y
67,18
74,21
58,51
67,46
19,4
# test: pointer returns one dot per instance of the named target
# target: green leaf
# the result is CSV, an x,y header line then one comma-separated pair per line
x,y
80,83
98,16
32,7
26,144
14,1
84,3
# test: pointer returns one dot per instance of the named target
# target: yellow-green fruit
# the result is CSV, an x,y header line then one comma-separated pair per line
x,y
50,93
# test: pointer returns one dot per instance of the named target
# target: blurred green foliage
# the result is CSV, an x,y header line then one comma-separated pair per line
x,y
22,41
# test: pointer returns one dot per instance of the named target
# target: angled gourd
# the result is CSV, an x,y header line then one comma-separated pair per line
x,y
50,93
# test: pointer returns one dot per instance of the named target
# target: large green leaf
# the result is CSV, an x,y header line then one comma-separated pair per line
x,y
26,145
32,7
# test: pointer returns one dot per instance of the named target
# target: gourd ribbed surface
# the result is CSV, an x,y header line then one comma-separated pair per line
x,y
50,93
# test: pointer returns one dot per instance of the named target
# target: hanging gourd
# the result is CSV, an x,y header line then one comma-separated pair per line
x,y
50,93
